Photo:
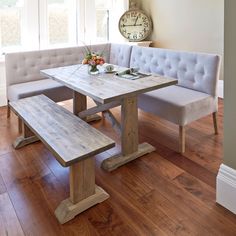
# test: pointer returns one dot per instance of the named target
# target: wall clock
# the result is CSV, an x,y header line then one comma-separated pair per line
x,y
135,25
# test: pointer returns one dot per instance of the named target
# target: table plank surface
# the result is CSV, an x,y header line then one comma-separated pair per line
x,y
105,87
68,137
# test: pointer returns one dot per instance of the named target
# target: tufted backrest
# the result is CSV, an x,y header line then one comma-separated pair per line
x,y
120,54
25,66
197,71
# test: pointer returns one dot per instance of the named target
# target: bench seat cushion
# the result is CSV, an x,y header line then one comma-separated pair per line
x,y
48,87
178,104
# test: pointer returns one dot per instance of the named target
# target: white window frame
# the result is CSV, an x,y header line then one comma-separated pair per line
x,y
82,31
118,7
43,25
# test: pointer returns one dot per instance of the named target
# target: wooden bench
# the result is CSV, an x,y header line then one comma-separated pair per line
x,y
72,141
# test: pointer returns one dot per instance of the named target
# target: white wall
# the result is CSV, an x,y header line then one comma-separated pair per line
x,y
230,85
2,85
192,25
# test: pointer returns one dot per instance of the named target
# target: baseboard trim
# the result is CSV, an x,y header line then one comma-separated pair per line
x,y
226,188
221,89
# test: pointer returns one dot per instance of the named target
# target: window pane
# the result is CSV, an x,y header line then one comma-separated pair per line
x,y
10,23
102,17
58,21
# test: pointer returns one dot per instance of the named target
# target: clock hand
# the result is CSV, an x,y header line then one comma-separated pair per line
x,y
132,25
135,20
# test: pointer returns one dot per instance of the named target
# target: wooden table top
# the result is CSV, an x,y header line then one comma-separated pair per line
x,y
105,87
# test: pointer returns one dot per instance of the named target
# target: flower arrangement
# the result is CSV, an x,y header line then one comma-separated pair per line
x,y
93,60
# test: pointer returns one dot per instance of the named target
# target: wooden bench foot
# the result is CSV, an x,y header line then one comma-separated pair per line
x,y
21,141
83,191
67,210
114,162
26,138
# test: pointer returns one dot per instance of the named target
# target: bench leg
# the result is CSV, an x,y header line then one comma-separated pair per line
x,y
20,124
181,139
214,116
27,137
83,191
8,109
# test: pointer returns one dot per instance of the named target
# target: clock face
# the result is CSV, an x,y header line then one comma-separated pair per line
x,y
135,25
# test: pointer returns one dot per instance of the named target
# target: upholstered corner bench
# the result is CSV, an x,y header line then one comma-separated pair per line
x,y
195,95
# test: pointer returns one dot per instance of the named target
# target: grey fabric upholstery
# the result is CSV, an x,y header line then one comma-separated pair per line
x,y
48,87
197,71
25,66
178,104
120,54
195,95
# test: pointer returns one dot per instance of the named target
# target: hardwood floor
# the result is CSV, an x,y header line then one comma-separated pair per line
x,y
163,193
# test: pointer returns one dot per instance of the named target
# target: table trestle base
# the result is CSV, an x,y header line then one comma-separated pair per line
x,y
116,161
92,118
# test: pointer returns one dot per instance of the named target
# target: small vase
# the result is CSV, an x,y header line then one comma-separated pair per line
x,y
93,70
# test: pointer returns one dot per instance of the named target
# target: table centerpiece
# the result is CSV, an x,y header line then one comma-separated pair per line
x,y
93,59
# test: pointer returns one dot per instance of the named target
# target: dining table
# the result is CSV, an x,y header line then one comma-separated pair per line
x,y
109,90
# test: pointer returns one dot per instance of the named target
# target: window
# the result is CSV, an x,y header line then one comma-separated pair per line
x,y
38,24
11,12
103,9
57,23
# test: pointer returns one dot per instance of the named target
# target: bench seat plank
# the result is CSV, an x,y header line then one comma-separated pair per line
x,y
68,137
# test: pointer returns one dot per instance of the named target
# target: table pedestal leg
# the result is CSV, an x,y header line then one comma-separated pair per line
x,y
80,104
83,191
130,149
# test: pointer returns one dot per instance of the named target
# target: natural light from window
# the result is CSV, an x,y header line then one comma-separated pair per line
x,y
39,24
11,23
58,21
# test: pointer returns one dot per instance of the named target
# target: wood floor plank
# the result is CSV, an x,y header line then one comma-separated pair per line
x,y
199,136
163,166
196,209
9,224
203,192
33,165
8,131
29,203
153,213
107,221
162,193
61,174
183,162
132,215
197,188
177,220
